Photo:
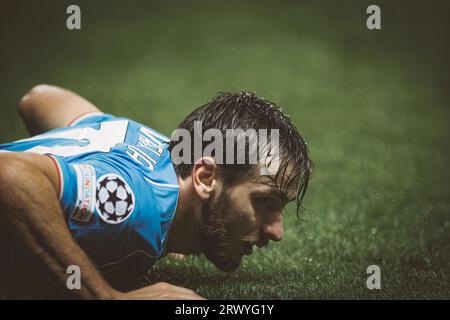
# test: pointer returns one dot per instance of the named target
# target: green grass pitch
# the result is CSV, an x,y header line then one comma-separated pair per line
x,y
373,107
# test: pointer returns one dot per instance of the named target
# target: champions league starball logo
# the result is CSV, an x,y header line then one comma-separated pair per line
x,y
115,199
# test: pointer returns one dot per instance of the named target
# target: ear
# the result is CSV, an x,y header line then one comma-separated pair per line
x,y
204,177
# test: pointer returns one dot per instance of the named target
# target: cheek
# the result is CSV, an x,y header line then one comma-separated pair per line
x,y
244,221
242,213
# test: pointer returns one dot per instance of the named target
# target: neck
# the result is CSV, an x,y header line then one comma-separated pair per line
x,y
184,231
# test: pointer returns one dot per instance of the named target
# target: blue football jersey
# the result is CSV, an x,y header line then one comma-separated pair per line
x,y
118,186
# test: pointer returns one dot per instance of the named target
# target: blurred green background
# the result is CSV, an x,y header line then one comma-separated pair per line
x,y
373,107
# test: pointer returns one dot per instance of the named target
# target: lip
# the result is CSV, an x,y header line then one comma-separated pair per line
x,y
262,244
248,250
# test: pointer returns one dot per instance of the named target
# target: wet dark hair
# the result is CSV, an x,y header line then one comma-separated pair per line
x,y
245,110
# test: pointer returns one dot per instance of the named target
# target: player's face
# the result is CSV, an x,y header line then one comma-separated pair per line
x,y
240,217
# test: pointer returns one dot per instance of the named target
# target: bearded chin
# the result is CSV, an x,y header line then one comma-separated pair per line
x,y
215,235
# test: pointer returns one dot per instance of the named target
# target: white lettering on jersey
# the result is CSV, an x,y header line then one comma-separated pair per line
x,y
109,135
148,141
140,157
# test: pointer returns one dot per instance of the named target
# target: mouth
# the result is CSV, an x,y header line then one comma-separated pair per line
x,y
262,244
248,249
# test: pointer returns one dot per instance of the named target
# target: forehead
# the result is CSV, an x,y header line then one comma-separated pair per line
x,y
267,184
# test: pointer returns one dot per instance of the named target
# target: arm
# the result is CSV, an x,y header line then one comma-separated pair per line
x,y
32,223
47,107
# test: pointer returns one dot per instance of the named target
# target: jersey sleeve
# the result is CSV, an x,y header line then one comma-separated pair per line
x,y
105,206
90,118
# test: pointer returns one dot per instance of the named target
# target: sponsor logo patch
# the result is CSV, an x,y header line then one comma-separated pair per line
x,y
85,204
114,199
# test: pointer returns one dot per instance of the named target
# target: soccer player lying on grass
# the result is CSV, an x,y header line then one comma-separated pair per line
x,y
104,193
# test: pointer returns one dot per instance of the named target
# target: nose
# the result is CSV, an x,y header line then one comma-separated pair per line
x,y
273,229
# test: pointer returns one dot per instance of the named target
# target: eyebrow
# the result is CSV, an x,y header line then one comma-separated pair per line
x,y
284,198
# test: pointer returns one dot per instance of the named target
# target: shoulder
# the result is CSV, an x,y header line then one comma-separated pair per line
x,y
91,117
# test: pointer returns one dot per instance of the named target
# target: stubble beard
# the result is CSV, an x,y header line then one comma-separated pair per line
x,y
216,234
